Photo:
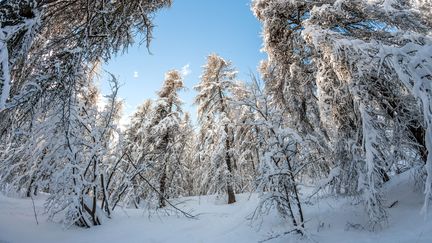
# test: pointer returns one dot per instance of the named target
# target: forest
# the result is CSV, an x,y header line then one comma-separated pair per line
x,y
339,112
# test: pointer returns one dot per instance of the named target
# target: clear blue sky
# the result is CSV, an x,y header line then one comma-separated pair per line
x,y
186,34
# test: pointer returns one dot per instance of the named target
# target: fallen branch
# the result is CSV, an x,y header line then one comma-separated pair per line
x,y
393,204
278,235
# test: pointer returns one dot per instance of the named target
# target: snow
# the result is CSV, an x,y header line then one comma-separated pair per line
x,y
329,219
217,223
335,220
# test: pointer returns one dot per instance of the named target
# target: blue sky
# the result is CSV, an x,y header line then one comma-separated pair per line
x,y
184,36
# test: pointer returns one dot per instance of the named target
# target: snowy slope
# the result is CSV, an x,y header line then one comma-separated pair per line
x,y
329,220
338,220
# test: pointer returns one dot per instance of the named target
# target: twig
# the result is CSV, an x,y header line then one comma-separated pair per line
x,y
278,235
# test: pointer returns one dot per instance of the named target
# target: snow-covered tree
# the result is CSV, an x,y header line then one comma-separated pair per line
x,y
246,142
125,181
164,134
187,156
289,72
216,121
34,30
48,52
365,72
374,38
281,160
65,153
155,148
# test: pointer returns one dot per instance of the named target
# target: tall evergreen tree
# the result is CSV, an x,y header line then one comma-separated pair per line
x,y
155,148
214,107
164,131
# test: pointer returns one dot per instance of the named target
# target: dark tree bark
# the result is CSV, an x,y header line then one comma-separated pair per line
x,y
162,183
230,191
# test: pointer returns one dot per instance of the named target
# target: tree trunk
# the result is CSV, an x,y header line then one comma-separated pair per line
x,y
29,188
162,182
419,136
230,191
231,195
296,197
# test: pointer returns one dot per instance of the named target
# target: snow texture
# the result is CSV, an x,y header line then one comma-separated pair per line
x,y
328,219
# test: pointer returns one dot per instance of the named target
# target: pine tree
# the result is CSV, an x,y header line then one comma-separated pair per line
x,y
187,142
154,148
214,110
246,142
164,131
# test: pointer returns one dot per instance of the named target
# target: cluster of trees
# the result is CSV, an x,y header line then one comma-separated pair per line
x,y
53,136
343,102
354,78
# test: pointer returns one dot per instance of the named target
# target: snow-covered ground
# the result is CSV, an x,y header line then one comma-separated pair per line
x,y
329,220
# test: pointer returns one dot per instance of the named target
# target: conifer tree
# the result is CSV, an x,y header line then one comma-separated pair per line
x,y
214,109
154,148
